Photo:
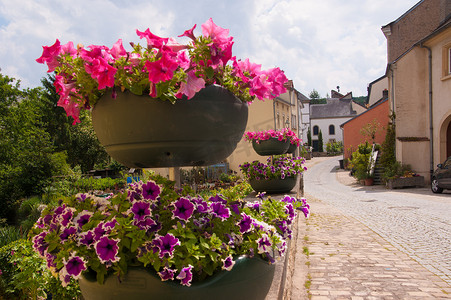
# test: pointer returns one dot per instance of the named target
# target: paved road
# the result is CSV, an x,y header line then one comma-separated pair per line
x,y
415,221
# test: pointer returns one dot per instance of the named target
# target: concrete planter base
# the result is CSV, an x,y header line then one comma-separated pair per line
x,y
398,183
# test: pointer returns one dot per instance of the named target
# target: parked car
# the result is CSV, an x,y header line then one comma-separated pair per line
x,y
441,179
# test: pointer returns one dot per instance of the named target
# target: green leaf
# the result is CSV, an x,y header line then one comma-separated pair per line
x,y
135,244
127,242
136,89
210,72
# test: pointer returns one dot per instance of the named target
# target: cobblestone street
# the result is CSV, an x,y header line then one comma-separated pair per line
x,y
370,242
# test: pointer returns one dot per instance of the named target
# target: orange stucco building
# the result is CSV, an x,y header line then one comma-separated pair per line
x,y
377,114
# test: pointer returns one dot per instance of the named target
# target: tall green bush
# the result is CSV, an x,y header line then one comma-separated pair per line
x,y
320,141
360,160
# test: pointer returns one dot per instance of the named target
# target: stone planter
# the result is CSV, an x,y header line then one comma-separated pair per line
x,y
397,183
273,186
142,132
250,278
270,147
292,148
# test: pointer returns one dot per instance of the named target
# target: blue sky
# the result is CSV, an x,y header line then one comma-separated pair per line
x,y
320,44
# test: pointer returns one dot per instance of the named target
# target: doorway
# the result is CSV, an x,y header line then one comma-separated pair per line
x,y
448,140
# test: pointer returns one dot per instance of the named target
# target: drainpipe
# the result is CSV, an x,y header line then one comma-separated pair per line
x,y
274,111
431,124
392,88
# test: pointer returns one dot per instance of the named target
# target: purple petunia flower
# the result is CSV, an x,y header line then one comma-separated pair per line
x,y
201,222
228,263
254,205
218,198
183,209
107,249
201,205
146,224
167,274
264,244
103,229
108,226
289,209
39,243
67,232
151,190
66,216
261,195
64,277
74,265
82,197
220,210
186,275
86,238
166,244
82,218
306,211
141,210
289,199
50,258
245,223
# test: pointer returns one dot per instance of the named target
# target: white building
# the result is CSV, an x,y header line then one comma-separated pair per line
x,y
328,117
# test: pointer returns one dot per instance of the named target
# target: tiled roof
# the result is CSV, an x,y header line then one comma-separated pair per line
x,y
333,108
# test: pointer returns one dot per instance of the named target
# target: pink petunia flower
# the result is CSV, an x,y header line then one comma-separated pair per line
x,y
162,69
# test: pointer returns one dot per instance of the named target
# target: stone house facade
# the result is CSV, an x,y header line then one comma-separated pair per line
x,y
419,84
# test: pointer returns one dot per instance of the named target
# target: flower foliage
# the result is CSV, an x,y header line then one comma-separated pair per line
x,y
282,135
279,167
182,237
162,68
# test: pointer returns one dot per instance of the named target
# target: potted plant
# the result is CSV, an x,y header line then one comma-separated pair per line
x,y
192,97
277,175
273,142
360,164
156,236
401,176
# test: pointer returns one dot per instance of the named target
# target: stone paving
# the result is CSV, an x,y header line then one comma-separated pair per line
x,y
337,257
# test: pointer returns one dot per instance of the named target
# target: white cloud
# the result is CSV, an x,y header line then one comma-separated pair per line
x,y
319,44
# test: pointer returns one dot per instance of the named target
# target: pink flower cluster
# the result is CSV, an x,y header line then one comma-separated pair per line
x,y
282,135
163,67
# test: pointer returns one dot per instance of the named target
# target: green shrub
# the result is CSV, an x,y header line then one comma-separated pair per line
x,y
9,234
85,185
360,161
25,275
334,147
28,213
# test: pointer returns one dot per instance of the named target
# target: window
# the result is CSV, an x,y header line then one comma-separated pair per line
x,y
315,130
449,60
446,61
283,121
331,130
278,120
293,121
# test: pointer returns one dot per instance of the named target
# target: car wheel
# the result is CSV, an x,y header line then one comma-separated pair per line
x,y
434,186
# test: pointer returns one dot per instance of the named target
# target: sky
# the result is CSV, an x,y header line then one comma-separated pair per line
x,y
320,44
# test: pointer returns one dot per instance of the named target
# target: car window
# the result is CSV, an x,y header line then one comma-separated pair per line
x,y
447,163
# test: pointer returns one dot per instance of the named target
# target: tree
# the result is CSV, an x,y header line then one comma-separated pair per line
x,y
370,130
78,141
309,137
25,147
314,94
320,141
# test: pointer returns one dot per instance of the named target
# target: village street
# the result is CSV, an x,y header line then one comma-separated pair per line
x,y
365,242
415,221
